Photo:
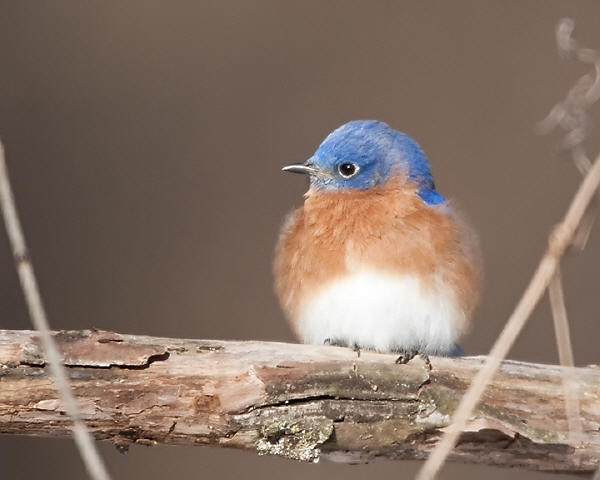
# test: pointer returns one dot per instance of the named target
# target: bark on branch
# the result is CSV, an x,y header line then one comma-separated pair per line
x,y
299,401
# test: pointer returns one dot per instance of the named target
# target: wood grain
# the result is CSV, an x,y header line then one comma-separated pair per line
x,y
299,401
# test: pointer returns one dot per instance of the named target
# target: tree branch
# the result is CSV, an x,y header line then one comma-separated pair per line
x,y
297,401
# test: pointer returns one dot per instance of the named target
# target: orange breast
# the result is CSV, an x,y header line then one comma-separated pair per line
x,y
388,228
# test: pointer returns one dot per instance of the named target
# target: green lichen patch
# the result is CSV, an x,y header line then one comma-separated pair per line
x,y
296,439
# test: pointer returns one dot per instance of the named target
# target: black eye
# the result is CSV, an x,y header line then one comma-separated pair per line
x,y
347,169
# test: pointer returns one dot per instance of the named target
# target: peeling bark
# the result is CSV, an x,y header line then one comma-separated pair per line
x,y
299,401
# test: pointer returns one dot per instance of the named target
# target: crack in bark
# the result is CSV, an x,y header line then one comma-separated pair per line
x,y
299,400
158,357
313,398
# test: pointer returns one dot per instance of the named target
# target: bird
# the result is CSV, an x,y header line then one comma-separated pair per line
x,y
376,258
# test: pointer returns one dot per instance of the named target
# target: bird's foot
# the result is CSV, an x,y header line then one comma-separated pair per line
x,y
408,355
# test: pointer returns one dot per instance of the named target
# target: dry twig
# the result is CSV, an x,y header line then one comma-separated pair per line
x,y
83,440
572,114
565,355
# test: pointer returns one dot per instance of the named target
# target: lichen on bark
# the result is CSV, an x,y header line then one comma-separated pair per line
x,y
295,439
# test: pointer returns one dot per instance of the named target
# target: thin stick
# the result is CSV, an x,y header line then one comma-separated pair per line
x,y
572,113
83,439
559,240
565,355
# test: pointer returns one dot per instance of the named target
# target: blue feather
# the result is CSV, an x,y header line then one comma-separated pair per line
x,y
379,152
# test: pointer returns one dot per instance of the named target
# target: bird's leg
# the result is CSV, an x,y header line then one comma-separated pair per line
x,y
427,361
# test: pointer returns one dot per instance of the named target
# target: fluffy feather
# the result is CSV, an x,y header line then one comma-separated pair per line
x,y
378,268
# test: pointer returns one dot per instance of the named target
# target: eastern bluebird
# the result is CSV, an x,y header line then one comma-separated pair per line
x,y
376,258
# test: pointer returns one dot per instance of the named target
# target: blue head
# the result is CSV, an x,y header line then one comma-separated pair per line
x,y
366,153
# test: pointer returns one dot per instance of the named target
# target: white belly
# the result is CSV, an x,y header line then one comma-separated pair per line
x,y
383,312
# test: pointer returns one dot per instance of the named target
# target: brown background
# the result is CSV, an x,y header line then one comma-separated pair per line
x,y
145,140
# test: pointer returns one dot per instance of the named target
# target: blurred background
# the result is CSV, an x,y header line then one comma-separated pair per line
x,y
145,141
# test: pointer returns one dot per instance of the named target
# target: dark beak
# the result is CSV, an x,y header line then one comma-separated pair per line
x,y
305,168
